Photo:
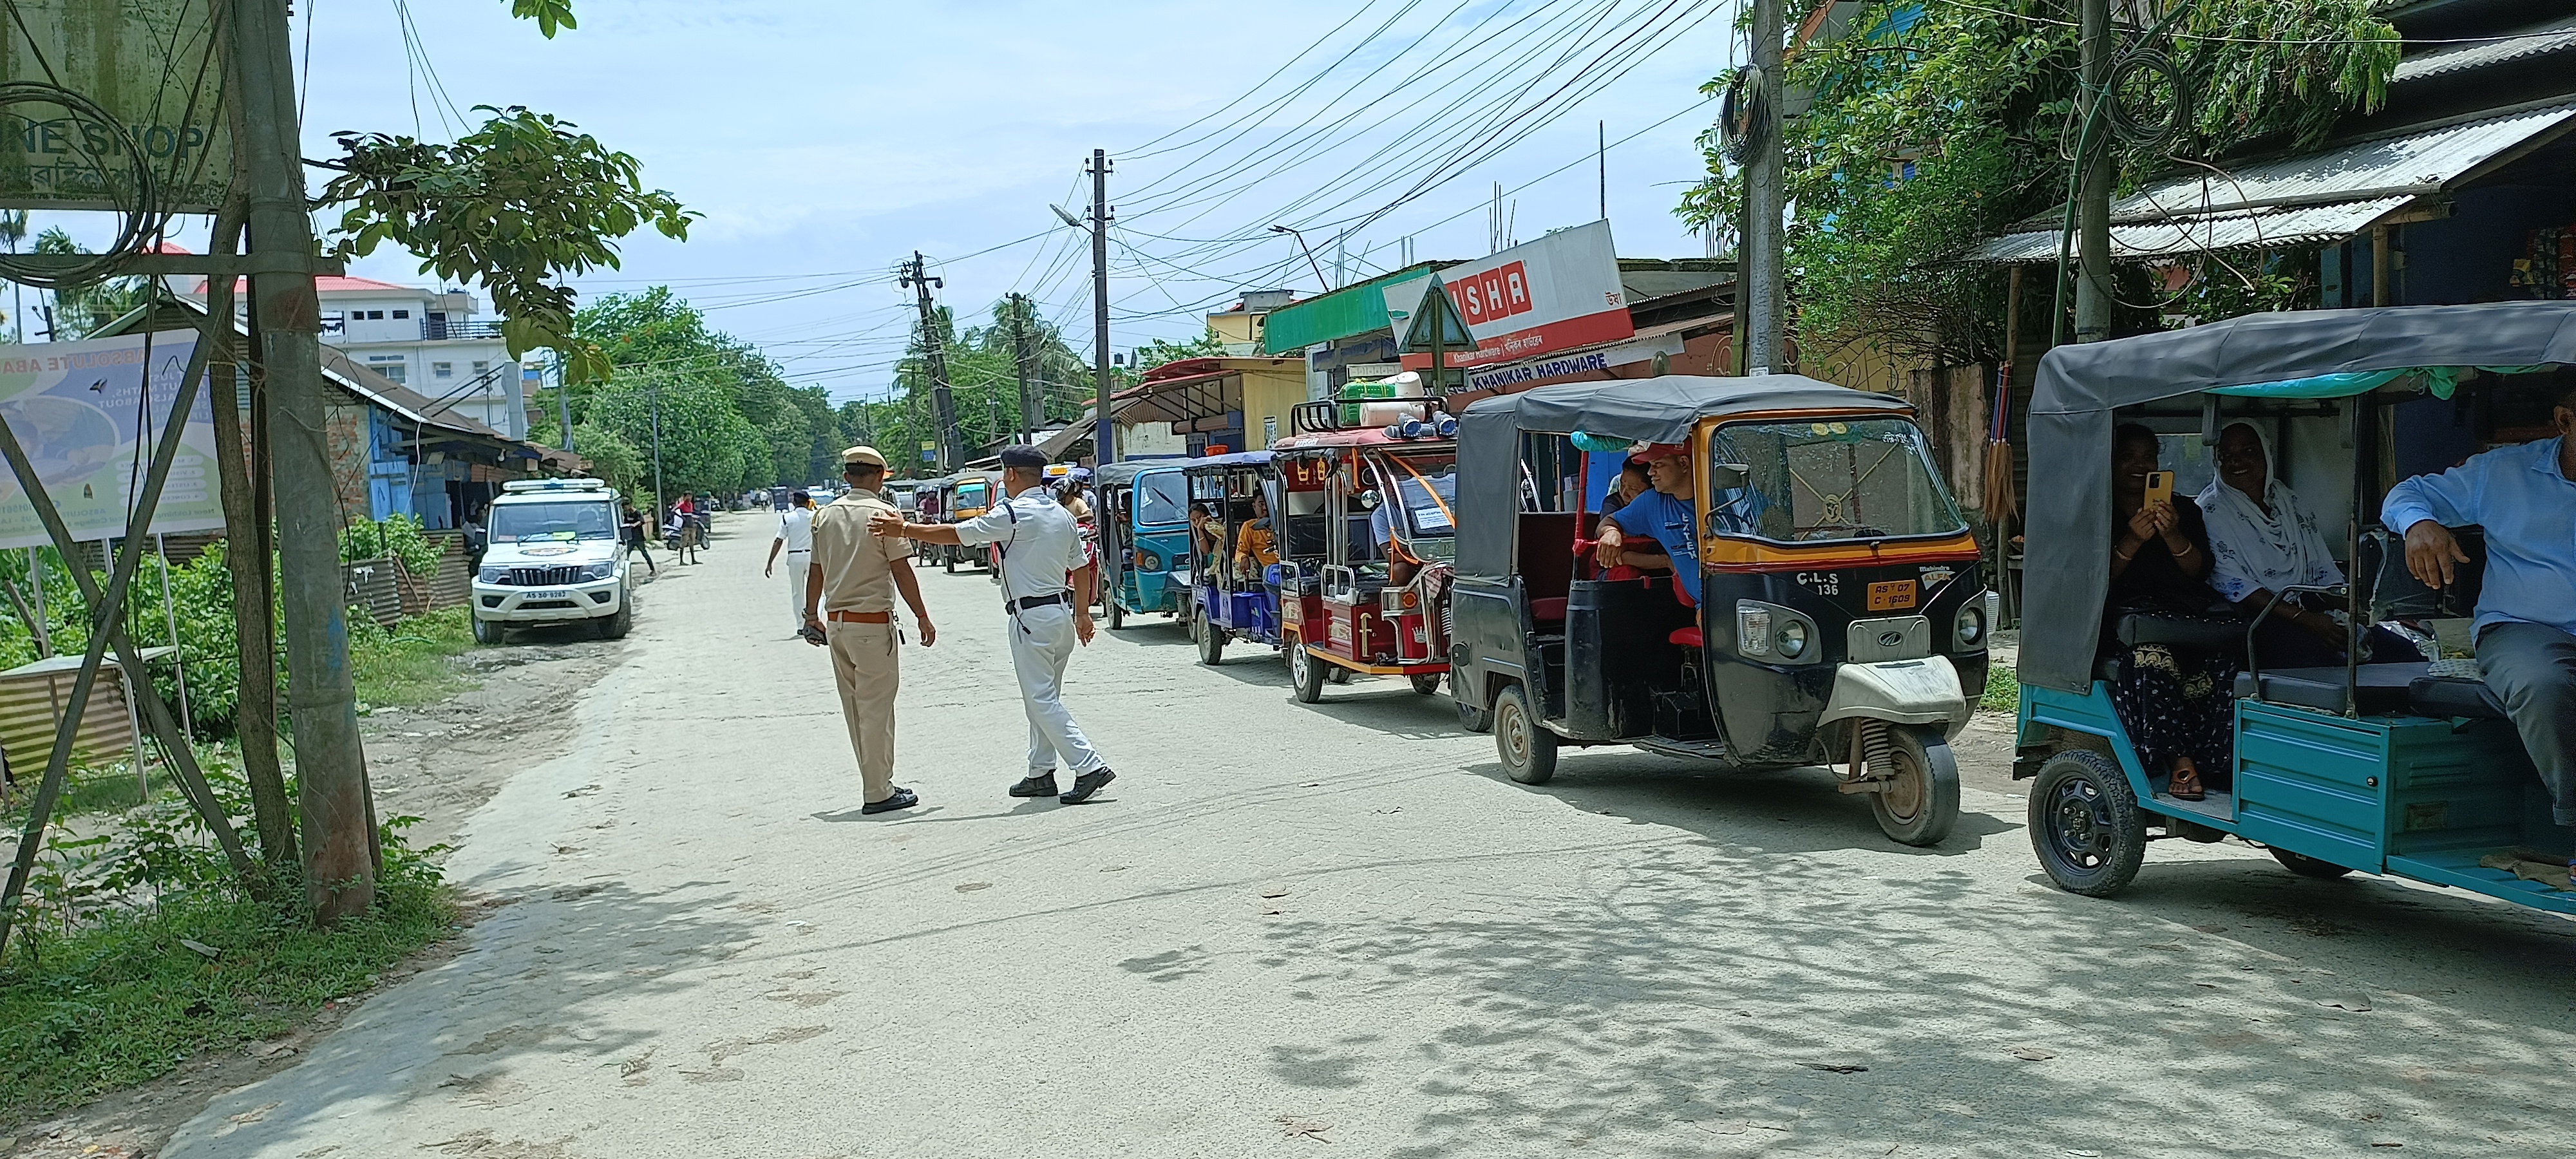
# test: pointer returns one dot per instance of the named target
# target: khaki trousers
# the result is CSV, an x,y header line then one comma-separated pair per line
x,y
865,669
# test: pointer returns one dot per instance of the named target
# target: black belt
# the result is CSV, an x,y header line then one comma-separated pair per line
x,y
1015,607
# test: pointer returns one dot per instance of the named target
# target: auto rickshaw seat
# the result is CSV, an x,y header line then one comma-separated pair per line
x,y
2455,697
2384,689
1549,610
2225,635
1689,637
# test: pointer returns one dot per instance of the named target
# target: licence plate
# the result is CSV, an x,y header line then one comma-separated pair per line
x,y
1890,595
568,595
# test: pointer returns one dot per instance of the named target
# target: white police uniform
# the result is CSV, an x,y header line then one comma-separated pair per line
x,y
796,534
1040,545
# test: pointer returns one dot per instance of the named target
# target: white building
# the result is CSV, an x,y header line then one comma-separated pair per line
x,y
427,340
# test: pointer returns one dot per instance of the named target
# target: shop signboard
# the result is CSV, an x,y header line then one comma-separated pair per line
x,y
148,65
1556,293
89,421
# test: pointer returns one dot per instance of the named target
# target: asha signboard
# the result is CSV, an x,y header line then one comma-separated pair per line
x,y
1556,293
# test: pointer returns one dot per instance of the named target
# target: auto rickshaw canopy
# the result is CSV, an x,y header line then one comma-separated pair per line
x,y
1221,462
2305,354
1635,410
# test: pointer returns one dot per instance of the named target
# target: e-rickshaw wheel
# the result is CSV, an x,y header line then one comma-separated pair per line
x,y
949,562
2085,824
1117,615
1306,673
1211,641
1426,683
1920,803
1527,748
2306,866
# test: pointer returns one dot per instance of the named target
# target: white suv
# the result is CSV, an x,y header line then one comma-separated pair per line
x,y
554,555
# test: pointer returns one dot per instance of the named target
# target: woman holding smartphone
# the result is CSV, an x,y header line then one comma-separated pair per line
x,y
2172,699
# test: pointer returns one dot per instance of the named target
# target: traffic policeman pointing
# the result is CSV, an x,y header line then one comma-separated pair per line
x,y
1043,565
850,587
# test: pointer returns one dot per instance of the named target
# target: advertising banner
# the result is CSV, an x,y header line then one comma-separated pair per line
x,y
1556,293
151,67
88,418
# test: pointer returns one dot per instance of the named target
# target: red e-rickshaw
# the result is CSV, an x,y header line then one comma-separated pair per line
x,y
1368,535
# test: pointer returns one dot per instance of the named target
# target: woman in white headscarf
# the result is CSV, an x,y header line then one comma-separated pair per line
x,y
2261,540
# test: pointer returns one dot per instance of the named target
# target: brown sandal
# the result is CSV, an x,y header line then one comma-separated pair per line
x,y
2185,786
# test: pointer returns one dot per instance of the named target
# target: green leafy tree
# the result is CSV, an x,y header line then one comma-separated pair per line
x,y
80,311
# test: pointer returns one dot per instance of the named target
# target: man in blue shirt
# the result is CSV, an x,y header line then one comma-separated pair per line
x,y
2525,497
1666,514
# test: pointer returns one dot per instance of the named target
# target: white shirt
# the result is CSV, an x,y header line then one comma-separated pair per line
x,y
796,526
1041,544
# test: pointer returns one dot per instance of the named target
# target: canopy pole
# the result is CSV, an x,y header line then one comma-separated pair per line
x,y
179,653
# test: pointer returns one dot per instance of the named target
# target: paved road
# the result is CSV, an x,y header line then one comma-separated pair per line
x,y
1288,924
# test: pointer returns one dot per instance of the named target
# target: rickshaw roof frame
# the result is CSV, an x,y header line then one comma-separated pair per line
x,y
2259,355
1232,461
1649,410
1124,474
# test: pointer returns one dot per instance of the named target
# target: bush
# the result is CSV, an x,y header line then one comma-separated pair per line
x,y
399,537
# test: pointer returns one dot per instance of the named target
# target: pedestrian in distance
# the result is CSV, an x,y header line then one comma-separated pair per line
x,y
852,579
681,535
630,528
1042,566
796,538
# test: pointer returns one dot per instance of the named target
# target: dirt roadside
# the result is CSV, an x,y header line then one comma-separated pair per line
x,y
440,763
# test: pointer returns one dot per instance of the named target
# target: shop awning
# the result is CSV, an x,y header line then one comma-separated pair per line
x,y
1353,310
2326,195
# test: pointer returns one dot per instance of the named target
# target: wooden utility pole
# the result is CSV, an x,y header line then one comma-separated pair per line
x,y
1104,429
952,452
331,768
1760,283
2093,197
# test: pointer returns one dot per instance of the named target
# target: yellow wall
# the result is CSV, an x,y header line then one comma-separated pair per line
x,y
1237,327
1269,390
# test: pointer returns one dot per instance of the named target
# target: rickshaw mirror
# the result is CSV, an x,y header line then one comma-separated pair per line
x,y
1729,476
1368,500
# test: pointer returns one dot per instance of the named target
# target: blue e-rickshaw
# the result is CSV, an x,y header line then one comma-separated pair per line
x,y
1144,521
1228,603
2411,770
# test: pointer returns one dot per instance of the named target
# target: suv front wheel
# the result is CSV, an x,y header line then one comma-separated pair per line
x,y
615,625
486,631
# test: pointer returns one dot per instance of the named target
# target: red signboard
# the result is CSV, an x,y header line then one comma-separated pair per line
x,y
1556,293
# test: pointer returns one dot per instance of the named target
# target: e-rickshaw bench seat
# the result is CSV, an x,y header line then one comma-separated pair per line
x,y
2208,634
1551,609
2382,690
2455,697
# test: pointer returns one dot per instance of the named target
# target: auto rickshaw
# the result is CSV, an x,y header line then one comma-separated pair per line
x,y
2411,770
1370,529
899,492
1225,604
1144,521
1843,613
966,495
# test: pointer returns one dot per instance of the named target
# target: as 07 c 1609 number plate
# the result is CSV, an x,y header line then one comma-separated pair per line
x,y
1891,595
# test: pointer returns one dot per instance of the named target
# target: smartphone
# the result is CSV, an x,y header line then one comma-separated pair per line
x,y
2160,488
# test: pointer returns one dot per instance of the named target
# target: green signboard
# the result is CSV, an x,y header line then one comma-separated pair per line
x,y
149,85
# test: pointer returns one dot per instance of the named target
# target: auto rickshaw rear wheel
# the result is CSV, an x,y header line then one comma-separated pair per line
x,y
1528,750
1305,672
1426,683
2085,824
1211,641
1117,615
1920,803
2306,866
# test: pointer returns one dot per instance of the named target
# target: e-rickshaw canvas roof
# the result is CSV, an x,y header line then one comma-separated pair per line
x,y
1225,462
1647,410
1124,474
2301,354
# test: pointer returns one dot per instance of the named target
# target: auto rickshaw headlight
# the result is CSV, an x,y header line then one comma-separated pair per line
x,y
1974,621
1793,640
1148,561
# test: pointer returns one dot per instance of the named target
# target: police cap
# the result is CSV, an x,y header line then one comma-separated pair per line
x,y
861,456
1024,458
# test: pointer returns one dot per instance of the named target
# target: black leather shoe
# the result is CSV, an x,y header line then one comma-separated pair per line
x,y
1087,784
1038,786
899,799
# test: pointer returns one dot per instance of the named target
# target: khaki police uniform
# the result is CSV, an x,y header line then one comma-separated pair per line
x,y
858,620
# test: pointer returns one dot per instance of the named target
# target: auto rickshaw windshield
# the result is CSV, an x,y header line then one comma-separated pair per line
x,y
1811,481
1162,498
1427,484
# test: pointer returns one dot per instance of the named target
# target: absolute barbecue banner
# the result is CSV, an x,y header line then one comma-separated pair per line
x,y
89,414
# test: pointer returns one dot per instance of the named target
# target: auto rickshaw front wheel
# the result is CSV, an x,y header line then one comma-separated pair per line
x,y
1920,802
1211,641
1117,615
2085,824
1527,748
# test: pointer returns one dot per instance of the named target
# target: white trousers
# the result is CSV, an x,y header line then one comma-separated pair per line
x,y
797,562
1042,641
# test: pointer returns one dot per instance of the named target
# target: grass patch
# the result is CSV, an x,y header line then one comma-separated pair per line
x,y
412,663
112,789
2003,689
123,1001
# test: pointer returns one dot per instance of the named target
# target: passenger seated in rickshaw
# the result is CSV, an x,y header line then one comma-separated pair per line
x,y
1633,481
1667,517
2174,699
2261,540
1207,536
1255,547
2525,498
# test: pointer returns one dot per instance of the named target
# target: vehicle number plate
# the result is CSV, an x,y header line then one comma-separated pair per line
x,y
1890,595
568,595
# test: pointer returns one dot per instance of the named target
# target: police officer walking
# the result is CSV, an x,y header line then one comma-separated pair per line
x,y
1042,566
850,588
796,538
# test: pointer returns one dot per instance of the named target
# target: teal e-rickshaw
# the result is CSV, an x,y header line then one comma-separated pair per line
x,y
2411,770
1144,521
1226,603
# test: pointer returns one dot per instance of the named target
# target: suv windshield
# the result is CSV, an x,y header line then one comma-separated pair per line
x,y
1829,480
1162,498
530,522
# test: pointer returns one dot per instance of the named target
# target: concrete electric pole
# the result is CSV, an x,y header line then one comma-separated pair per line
x,y
2093,199
952,455
337,816
1104,431
1029,416
1760,280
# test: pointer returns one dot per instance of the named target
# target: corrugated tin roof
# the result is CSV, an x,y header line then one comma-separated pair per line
x,y
2291,225
2548,36
1353,310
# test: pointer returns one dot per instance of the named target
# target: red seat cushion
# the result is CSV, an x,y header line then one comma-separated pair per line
x,y
1687,637
1549,609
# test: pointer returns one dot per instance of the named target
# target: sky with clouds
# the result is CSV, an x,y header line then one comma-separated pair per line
x,y
824,142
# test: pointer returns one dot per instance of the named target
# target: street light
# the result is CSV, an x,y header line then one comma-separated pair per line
x,y
1301,244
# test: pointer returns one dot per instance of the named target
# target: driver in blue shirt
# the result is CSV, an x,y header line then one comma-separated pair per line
x,y
1667,515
